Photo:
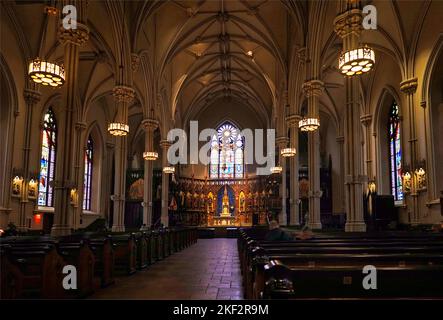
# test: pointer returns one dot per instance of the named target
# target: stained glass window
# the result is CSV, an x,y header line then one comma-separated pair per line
x,y
87,183
226,153
395,153
47,159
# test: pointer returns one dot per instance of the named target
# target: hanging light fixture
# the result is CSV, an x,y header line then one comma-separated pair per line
x,y
168,170
150,155
309,124
288,152
356,61
46,73
276,170
118,129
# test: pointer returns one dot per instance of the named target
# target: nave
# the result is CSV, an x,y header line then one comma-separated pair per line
x,y
207,270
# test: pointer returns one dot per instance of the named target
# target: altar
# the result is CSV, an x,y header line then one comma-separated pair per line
x,y
226,215
223,221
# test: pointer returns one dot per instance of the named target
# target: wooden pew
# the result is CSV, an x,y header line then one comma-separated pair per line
x,y
125,253
142,250
423,281
32,272
313,261
253,259
104,259
79,254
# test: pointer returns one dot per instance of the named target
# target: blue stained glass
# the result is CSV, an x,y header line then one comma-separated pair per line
x,y
87,183
47,159
395,154
226,153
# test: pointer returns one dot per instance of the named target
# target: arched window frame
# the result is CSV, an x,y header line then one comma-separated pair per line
x,y
88,171
48,152
221,148
395,152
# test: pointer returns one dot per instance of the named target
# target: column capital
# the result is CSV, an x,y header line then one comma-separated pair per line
x,y
165,144
366,119
31,96
302,54
75,36
349,22
123,93
409,86
313,88
80,126
292,120
150,124
135,62
282,141
110,145
340,139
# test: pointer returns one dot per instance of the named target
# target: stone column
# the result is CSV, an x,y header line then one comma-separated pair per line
x,y
313,89
123,96
348,26
341,191
409,87
165,144
110,146
80,127
294,213
366,121
72,39
282,142
32,97
149,125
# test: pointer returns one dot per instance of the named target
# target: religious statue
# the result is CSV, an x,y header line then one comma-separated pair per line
x,y
136,190
225,204
242,204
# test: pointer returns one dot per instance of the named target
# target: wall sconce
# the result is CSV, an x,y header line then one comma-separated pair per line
x,y
420,176
74,197
372,187
407,182
17,186
32,189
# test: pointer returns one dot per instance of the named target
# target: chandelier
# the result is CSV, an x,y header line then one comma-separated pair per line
x,y
46,73
118,129
356,61
276,170
309,124
168,170
288,152
150,155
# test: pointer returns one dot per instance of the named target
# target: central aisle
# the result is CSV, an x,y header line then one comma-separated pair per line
x,y
209,269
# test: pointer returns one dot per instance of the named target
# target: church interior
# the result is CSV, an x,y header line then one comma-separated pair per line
x,y
325,118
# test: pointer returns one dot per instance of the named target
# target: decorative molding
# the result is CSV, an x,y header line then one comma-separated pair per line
x,y
349,22
123,93
313,88
135,62
409,86
31,96
75,36
366,119
150,124
293,120
165,144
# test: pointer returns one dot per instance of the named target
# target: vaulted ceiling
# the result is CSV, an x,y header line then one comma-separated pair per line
x,y
195,52
219,49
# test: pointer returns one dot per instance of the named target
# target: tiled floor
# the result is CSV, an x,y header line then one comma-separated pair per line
x,y
209,269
